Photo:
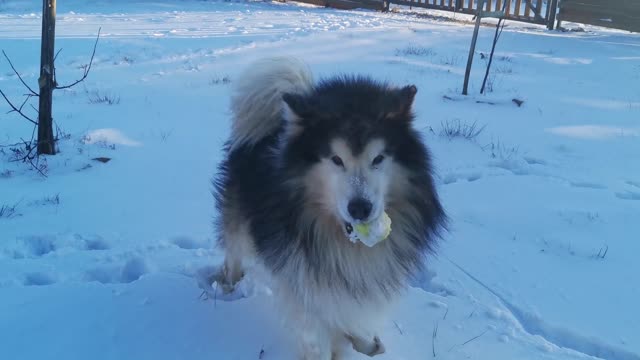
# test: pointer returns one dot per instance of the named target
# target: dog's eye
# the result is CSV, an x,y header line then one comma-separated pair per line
x,y
377,160
336,160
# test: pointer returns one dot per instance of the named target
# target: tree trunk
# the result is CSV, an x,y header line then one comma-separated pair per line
x,y
46,140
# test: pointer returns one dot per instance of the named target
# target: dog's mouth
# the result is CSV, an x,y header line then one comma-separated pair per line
x,y
348,228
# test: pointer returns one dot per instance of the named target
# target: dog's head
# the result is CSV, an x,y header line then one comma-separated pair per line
x,y
350,142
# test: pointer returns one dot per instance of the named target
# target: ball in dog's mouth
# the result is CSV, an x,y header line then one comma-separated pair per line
x,y
369,233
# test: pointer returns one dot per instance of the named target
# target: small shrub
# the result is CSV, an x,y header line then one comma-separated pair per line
x,y
498,150
8,211
456,129
412,50
450,60
96,97
6,174
504,70
47,200
164,135
220,80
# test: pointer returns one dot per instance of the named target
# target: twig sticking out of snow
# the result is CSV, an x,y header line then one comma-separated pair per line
x,y
602,253
433,340
398,327
468,341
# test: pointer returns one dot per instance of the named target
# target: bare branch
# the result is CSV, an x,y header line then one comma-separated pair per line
x,y
33,93
86,69
54,61
28,154
57,53
27,97
11,145
19,111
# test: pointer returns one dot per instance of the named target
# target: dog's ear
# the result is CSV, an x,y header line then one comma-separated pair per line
x,y
296,110
407,94
297,104
402,101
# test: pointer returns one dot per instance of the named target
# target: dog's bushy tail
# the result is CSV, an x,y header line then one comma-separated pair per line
x,y
257,103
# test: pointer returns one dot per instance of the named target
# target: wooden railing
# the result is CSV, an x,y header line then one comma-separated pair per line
x,y
617,14
533,11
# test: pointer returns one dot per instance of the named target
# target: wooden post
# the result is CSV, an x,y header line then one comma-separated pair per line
x,y
472,49
553,9
517,10
46,82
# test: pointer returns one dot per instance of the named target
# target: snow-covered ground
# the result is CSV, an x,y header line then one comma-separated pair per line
x,y
99,261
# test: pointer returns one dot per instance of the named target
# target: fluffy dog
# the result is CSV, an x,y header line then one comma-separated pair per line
x,y
304,161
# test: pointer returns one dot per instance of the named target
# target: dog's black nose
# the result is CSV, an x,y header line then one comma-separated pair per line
x,y
359,208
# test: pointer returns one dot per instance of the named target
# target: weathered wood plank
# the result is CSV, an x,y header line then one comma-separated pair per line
x,y
539,5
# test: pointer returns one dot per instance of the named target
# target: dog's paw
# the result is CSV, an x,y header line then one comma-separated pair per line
x,y
212,281
378,347
367,347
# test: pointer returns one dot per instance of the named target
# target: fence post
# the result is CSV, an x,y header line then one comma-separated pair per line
x,y
551,18
472,49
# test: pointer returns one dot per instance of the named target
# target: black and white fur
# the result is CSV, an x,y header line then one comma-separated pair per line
x,y
305,159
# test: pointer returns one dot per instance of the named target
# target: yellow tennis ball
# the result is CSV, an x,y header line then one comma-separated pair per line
x,y
373,232
362,229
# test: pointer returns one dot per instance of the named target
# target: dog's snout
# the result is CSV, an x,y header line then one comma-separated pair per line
x,y
360,208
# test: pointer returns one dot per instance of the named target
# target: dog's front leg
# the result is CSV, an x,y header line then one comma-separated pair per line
x,y
314,341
